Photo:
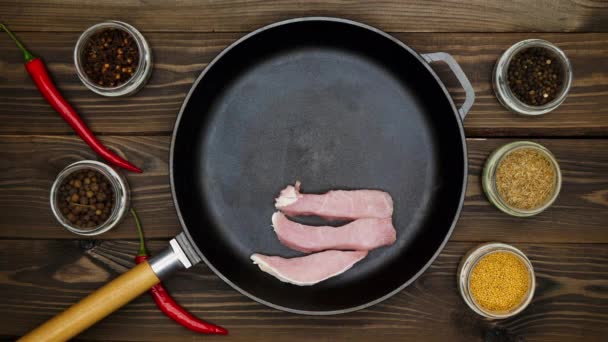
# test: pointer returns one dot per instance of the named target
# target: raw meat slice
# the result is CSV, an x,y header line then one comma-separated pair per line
x,y
310,269
362,235
336,204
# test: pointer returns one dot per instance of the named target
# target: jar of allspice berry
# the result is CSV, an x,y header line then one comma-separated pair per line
x,y
89,197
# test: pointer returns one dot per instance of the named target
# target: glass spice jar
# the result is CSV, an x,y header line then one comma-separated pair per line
x,y
141,73
467,265
501,85
488,179
120,190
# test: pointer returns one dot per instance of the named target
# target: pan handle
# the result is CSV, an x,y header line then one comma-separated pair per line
x,y
462,78
111,296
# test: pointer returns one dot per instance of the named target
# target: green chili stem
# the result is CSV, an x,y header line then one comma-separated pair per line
x,y
143,251
26,54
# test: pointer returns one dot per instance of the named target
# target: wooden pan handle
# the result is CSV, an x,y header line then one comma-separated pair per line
x,y
96,306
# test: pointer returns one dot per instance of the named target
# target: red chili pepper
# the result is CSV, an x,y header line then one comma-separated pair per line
x,y
164,301
45,85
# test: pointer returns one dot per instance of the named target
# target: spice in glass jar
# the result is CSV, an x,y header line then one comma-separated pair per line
x,y
110,57
499,282
525,179
535,76
86,198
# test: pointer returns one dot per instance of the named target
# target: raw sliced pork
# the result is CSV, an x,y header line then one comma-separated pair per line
x,y
336,204
310,269
361,235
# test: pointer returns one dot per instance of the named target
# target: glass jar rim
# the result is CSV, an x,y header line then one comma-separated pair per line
x,y
489,178
142,72
503,90
121,196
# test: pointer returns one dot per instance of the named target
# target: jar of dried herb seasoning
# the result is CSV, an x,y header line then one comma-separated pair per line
x,y
522,178
113,59
532,77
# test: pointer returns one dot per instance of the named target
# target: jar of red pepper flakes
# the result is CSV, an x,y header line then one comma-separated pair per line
x,y
113,59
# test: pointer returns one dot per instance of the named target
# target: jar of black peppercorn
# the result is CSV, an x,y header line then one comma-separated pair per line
x,y
532,77
113,59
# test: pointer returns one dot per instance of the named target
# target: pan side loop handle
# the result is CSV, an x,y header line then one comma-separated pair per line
x,y
110,297
462,78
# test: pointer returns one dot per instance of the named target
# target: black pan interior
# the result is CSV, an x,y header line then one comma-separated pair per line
x,y
336,106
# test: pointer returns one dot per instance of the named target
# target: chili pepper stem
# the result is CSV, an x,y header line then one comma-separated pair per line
x,y
35,67
143,251
166,303
26,54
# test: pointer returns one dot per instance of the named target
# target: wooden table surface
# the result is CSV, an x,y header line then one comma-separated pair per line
x,y
44,269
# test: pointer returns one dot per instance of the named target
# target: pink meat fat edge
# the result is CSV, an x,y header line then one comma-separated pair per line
x,y
361,235
310,269
335,204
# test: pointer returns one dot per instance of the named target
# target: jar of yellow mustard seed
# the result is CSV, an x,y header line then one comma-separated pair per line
x,y
496,280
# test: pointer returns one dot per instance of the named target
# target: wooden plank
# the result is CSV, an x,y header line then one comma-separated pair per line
x,y
41,278
390,15
179,59
29,165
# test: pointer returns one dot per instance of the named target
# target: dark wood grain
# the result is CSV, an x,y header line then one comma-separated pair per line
x,y
180,57
238,15
44,277
44,269
29,165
